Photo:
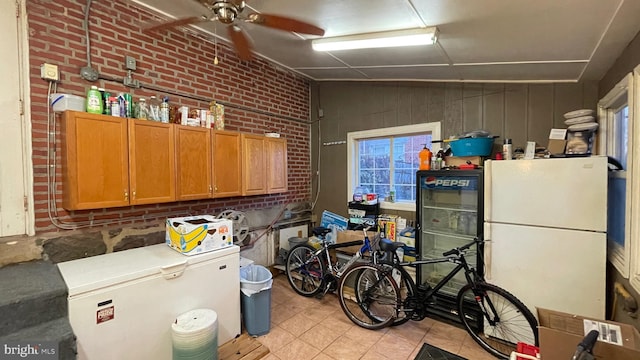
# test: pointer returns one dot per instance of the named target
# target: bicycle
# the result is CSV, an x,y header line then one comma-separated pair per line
x,y
310,270
371,298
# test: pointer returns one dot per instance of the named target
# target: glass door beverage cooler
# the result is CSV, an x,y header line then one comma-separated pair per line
x,y
449,206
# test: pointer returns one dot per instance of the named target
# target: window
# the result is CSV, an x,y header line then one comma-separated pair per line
x,y
614,135
386,159
619,137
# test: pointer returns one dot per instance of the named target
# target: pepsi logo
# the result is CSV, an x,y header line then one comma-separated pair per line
x,y
430,181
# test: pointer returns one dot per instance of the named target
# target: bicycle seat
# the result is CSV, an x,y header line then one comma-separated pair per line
x,y
388,245
320,231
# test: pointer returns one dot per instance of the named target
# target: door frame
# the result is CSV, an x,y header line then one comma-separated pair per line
x,y
25,87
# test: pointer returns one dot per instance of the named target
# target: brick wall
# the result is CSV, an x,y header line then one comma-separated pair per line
x,y
260,96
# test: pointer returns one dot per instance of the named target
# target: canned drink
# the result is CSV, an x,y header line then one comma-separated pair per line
x,y
128,103
122,105
106,96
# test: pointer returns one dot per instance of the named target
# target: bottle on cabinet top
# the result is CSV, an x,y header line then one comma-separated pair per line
x,y
425,158
94,101
507,150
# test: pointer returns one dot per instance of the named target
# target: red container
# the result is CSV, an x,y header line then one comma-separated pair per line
x,y
526,349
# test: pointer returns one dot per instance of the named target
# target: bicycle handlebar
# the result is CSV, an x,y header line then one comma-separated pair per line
x,y
458,250
586,345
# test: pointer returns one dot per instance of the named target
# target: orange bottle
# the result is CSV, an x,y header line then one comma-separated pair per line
x,y
425,158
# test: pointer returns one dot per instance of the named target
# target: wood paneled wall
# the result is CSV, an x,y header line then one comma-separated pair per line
x,y
522,112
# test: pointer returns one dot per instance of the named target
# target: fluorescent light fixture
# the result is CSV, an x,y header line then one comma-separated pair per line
x,y
408,37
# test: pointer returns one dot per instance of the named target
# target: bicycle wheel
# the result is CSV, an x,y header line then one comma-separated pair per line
x,y
406,288
305,271
369,296
496,320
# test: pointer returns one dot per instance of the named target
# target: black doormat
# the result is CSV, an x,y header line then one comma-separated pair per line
x,y
430,352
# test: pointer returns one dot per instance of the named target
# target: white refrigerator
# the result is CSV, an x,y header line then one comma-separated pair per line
x,y
545,226
122,304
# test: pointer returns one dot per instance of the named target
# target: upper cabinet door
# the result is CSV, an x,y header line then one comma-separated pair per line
x,y
254,166
94,161
276,165
227,164
193,162
152,161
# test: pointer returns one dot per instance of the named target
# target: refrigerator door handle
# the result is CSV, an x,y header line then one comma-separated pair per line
x,y
487,190
173,271
487,251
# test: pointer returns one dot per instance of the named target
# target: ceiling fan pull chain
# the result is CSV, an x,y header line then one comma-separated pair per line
x,y
215,45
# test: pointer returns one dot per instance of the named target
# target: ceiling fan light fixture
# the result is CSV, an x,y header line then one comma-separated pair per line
x,y
397,38
226,12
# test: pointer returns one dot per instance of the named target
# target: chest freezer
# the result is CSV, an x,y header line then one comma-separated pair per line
x,y
122,304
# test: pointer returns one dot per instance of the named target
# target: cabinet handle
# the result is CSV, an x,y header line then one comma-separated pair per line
x,y
126,195
134,194
210,188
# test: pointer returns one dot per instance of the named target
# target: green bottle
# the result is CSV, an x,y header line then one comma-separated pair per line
x,y
94,101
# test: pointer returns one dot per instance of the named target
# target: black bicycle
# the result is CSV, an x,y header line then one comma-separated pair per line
x,y
371,297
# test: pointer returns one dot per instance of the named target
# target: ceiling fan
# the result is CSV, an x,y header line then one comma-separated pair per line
x,y
229,12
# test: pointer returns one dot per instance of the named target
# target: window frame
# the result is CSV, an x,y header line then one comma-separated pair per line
x,y
634,151
432,128
621,95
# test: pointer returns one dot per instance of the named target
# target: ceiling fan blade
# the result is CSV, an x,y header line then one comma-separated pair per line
x,y
174,23
240,42
285,23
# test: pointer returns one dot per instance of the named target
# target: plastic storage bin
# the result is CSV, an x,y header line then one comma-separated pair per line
x,y
480,146
62,102
255,289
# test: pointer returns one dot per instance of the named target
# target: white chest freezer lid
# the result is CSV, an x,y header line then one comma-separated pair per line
x,y
96,272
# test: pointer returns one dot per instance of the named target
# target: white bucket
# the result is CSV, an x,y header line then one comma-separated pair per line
x,y
194,335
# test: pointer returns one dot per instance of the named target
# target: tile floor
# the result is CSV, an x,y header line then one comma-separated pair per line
x,y
308,328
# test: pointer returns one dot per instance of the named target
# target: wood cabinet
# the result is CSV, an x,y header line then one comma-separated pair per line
x,y
254,165
95,166
111,162
193,162
227,163
264,165
151,162
276,153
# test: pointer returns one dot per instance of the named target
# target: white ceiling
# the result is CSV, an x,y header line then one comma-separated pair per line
x,y
479,40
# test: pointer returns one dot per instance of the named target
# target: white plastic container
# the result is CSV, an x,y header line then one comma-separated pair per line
x,y
62,102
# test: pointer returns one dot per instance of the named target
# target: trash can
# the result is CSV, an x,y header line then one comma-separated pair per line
x,y
295,241
255,289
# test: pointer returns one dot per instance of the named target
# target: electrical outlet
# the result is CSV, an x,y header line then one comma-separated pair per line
x,y
49,72
129,63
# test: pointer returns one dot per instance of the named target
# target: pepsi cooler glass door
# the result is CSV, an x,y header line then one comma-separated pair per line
x,y
449,212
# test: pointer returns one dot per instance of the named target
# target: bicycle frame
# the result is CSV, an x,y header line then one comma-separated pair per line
x,y
457,257
459,260
366,247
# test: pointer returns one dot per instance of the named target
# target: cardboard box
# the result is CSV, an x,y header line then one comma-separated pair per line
x,y
352,235
557,141
197,234
334,222
461,160
408,241
560,333
387,223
